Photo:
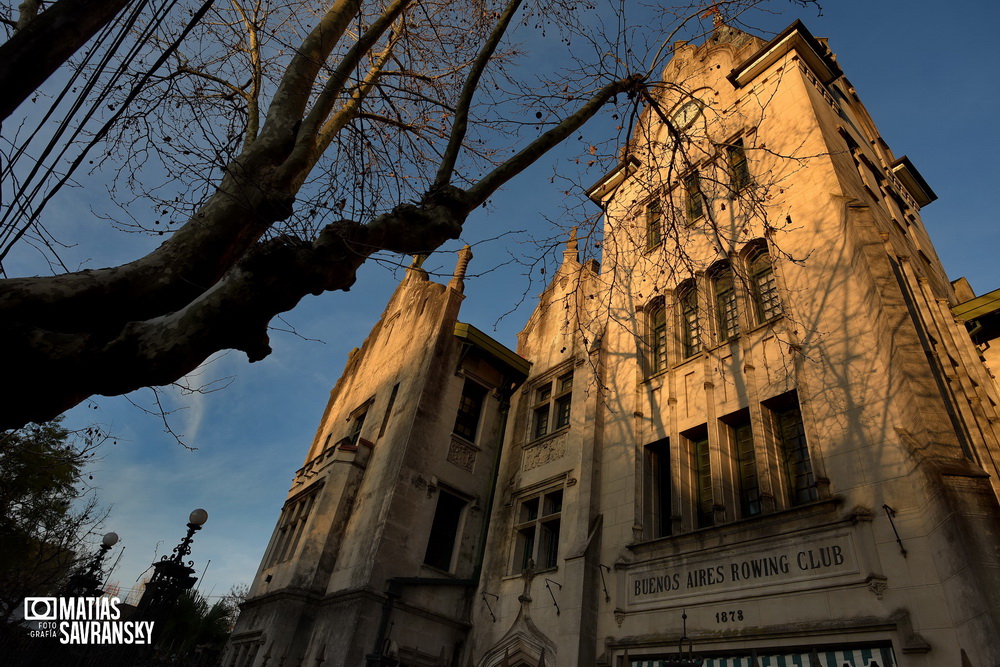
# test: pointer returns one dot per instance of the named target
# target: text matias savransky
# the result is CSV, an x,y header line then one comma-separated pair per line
x,y
85,620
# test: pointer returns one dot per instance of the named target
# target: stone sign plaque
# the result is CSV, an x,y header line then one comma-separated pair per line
x,y
734,570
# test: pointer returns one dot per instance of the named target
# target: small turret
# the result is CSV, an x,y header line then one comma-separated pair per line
x,y
457,281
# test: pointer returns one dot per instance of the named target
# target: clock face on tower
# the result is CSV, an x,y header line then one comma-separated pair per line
x,y
685,116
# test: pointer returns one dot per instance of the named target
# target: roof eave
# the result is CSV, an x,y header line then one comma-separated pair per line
x,y
602,189
793,38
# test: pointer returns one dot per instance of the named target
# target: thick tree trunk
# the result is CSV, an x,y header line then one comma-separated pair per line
x,y
45,42
50,371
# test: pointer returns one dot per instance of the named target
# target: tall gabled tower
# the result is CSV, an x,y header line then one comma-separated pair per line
x,y
378,544
759,431
783,446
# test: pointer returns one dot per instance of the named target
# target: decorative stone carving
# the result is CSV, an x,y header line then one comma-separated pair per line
x,y
619,617
543,452
877,585
462,455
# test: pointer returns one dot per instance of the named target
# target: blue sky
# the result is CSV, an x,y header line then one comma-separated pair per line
x,y
927,75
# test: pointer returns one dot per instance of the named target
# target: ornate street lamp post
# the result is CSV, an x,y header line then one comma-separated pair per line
x,y
171,576
87,581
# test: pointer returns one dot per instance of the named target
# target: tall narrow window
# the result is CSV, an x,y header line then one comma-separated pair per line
x,y
294,515
470,407
654,222
726,316
444,531
543,409
763,286
658,509
746,468
553,402
702,468
657,338
564,386
537,531
694,203
690,331
739,172
358,421
791,434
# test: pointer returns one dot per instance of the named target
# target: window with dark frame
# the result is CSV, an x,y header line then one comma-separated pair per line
x,y
790,433
658,502
763,286
552,405
657,337
739,171
782,421
444,531
358,422
654,223
702,468
537,531
470,408
694,202
292,524
726,315
745,456
690,330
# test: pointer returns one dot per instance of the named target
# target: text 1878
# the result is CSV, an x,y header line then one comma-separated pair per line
x,y
729,616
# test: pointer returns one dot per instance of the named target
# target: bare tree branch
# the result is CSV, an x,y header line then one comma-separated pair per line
x,y
374,126
461,122
30,56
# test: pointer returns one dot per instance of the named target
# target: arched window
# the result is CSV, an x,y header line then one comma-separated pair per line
x,y
763,287
727,318
687,306
657,340
694,202
739,173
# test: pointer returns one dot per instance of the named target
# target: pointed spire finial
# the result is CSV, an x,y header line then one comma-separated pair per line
x,y
416,267
457,281
572,253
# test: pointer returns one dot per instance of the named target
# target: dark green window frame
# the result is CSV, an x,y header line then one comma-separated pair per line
x,y
553,404
470,409
694,201
727,315
690,327
739,170
536,534
764,286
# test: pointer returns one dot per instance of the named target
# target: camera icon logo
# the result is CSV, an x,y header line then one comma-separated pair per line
x,y
40,609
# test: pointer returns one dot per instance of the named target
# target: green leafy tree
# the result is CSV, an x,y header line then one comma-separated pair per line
x,y
46,510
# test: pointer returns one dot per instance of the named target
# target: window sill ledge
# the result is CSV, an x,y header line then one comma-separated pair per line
x,y
535,573
786,519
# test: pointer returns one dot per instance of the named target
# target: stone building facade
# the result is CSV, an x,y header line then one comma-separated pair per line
x,y
760,432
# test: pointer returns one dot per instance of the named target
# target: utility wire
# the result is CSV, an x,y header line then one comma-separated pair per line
x,y
21,200
136,89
